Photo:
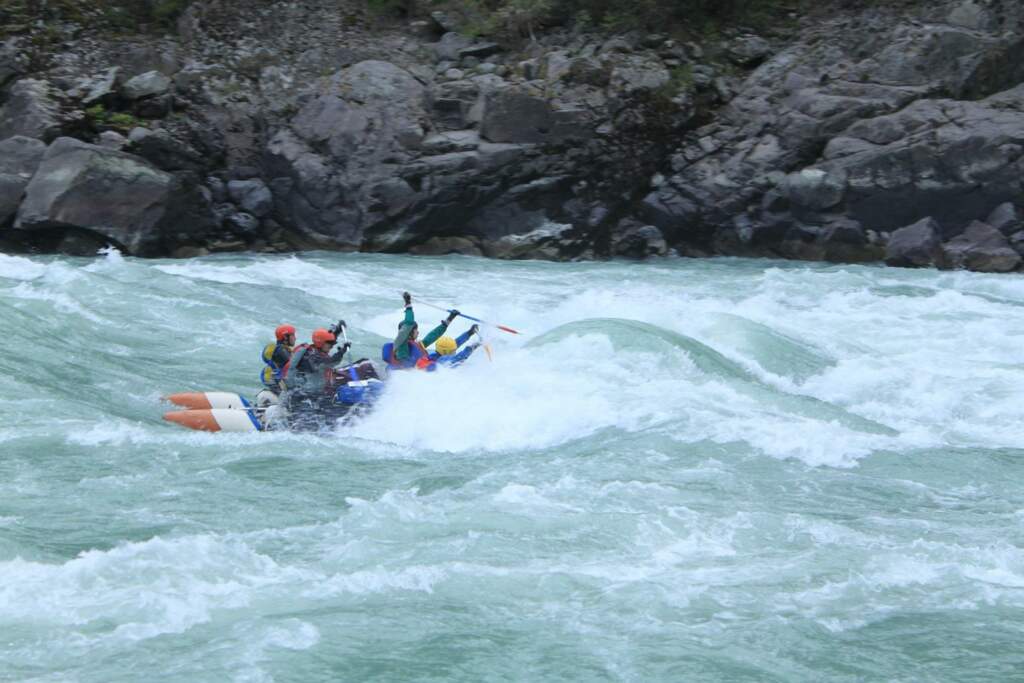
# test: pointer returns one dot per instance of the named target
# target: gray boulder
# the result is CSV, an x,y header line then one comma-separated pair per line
x,y
749,50
112,140
146,85
636,241
252,195
981,248
845,241
1006,218
19,159
100,87
915,246
634,73
115,195
451,46
163,150
815,189
157,107
32,109
243,224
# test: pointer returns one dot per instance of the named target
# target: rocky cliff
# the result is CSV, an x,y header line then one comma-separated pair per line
x,y
858,134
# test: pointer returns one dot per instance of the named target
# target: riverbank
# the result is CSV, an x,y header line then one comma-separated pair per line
x,y
850,133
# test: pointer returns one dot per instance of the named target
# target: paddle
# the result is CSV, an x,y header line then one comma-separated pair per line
x,y
487,347
503,328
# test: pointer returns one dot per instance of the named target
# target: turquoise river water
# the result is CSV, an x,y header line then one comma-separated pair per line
x,y
684,470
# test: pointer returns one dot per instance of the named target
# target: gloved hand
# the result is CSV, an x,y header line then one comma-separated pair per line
x,y
336,330
345,347
452,315
474,329
407,297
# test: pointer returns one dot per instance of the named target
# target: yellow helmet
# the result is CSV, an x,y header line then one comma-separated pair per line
x,y
445,346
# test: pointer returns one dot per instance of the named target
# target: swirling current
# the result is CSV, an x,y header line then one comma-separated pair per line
x,y
726,470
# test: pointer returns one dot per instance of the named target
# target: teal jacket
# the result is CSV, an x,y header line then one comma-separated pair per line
x,y
401,345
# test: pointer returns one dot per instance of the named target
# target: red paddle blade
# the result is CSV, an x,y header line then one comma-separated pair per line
x,y
507,329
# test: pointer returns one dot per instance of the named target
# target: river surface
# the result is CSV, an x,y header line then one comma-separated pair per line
x,y
713,470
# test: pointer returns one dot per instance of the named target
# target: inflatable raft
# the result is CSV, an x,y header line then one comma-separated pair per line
x,y
357,387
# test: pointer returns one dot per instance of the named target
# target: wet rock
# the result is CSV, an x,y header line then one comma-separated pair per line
x,y
981,248
637,241
81,243
845,241
439,246
32,109
190,251
19,159
1006,218
252,195
116,195
915,246
146,85
673,214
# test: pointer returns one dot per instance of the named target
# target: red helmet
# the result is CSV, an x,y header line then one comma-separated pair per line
x,y
321,337
283,330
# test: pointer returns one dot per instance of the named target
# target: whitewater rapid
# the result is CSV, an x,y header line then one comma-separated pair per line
x,y
684,469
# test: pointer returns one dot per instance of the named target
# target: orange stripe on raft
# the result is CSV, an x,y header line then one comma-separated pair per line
x,y
193,400
201,420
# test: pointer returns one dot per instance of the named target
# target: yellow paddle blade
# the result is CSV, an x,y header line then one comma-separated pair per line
x,y
490,356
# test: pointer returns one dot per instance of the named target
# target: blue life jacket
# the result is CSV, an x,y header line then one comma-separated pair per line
x,y
418,358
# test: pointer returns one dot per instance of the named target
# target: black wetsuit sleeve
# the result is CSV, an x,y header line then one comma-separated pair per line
x,y
281,356
336,356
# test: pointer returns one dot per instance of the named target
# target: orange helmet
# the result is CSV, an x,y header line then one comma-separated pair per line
x,y
321,337
283,330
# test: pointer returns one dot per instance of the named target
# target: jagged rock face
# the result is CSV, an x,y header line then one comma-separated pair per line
x,y
856,120
19,159
314,132
954,160
114,195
